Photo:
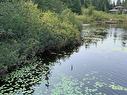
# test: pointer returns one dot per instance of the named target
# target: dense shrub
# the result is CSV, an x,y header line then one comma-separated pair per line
x,y
32,29
70,17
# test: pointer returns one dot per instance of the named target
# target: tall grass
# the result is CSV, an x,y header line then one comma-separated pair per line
x,y
90,16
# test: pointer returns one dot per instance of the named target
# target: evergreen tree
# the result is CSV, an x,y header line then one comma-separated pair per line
x,y
125,4
53,5
74,5
82,2
118,2
103,5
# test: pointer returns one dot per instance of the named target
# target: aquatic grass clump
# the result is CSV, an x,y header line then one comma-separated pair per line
x,y
118,87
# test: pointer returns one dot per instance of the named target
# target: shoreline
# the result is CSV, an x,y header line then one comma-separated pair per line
x,y
51,50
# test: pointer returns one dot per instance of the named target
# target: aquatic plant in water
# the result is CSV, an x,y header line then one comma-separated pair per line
x,y
120,49
90,85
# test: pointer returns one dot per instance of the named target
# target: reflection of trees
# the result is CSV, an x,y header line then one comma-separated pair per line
x,y
124,38
31,74
123,34
91,35
115,35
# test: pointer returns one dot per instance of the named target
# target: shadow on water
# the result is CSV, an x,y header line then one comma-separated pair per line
x,y
23,79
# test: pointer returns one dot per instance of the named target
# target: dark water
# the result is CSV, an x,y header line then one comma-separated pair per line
x,y
98,67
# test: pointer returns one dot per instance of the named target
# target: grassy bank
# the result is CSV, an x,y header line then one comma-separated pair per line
x,y
25,30
92,16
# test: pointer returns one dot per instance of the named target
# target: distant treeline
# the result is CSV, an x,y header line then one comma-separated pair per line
x,y
121,2
103,5
75,5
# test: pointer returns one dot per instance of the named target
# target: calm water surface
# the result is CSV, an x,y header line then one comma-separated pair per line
x,y
98,67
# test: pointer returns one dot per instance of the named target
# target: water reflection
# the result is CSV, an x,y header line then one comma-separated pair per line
x,y
22,80
69,69
91,35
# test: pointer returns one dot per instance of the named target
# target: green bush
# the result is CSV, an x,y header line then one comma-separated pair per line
x,y
33,29
101,16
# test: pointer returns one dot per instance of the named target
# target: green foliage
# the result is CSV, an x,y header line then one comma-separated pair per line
x,y
74,5
103,5
84,19
53,5
32,29
59,5
90,15
8,54
90,10
70,17
100,16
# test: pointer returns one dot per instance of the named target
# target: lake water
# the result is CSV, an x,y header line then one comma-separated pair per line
x,y
97,67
